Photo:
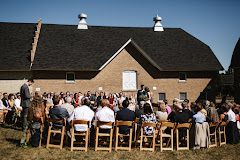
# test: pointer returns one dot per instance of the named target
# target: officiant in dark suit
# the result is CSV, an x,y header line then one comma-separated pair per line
x,y
25,101
140,92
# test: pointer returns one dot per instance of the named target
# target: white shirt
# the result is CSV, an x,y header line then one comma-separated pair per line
x,y
81,113
17,103
231,116
105,115
1,105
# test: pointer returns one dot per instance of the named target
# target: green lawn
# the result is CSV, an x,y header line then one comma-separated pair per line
x,y
9,149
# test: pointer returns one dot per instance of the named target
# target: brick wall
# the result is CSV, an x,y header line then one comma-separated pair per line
x,y
110,79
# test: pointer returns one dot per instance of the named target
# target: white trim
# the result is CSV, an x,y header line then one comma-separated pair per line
x,y
115,54
138,48
181,100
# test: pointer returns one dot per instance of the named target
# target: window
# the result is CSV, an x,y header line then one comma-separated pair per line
x,y
70,77
161,96
182,76
129,80
182,96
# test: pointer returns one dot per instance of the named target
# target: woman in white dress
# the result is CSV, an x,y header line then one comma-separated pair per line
x,y
148,96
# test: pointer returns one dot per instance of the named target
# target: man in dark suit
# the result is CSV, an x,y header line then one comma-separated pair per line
x,y
25,102
125,115
140,92
5,100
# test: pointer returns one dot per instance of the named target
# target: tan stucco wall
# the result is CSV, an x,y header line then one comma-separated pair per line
x,y
110,79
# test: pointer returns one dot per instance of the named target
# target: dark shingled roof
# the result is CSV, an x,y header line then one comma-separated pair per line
x,y
15,44
235,62
64,47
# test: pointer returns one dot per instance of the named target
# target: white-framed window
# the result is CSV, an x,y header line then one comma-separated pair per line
x,y
70,77
161,96
129,80
182,96
182,76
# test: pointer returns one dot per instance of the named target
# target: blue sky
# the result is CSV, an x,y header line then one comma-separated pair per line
x,y
214,22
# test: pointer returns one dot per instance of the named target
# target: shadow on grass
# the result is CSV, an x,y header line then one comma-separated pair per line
x,y
14,141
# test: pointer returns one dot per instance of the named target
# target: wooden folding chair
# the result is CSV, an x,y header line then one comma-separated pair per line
x,y
110,135
222,132
48,107
162,135
213,136
86,135
135,128
187,126
41,131
141,135
52,130
123,123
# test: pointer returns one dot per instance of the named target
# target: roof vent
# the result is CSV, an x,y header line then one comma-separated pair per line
x,y
82,24
158,26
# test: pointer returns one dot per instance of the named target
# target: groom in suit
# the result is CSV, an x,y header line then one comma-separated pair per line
x,y
25,102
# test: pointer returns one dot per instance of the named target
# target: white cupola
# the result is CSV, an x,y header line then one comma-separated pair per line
x,y
82,24
158,26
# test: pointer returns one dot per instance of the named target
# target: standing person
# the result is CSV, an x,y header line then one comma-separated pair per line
x,y
25,103
169,110
149,96
140,92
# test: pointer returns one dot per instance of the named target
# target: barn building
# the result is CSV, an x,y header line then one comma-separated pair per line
x,y
170,61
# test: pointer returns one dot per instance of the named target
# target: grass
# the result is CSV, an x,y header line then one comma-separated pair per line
x,y
9,149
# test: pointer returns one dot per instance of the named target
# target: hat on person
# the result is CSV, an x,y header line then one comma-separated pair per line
x,y
175,100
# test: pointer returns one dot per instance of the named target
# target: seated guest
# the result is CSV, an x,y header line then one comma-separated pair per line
x,y
224,115
99,99
161,114
203,110
68,105
125,115
3,110
105,114
177,108
187,102
49,99
212,114
35,113
131,105
82,112
139,110
17,107
201,128
111,101
232,134
17,102
186,110
192,107
199,117
148,116
57,112
169,110
183,117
